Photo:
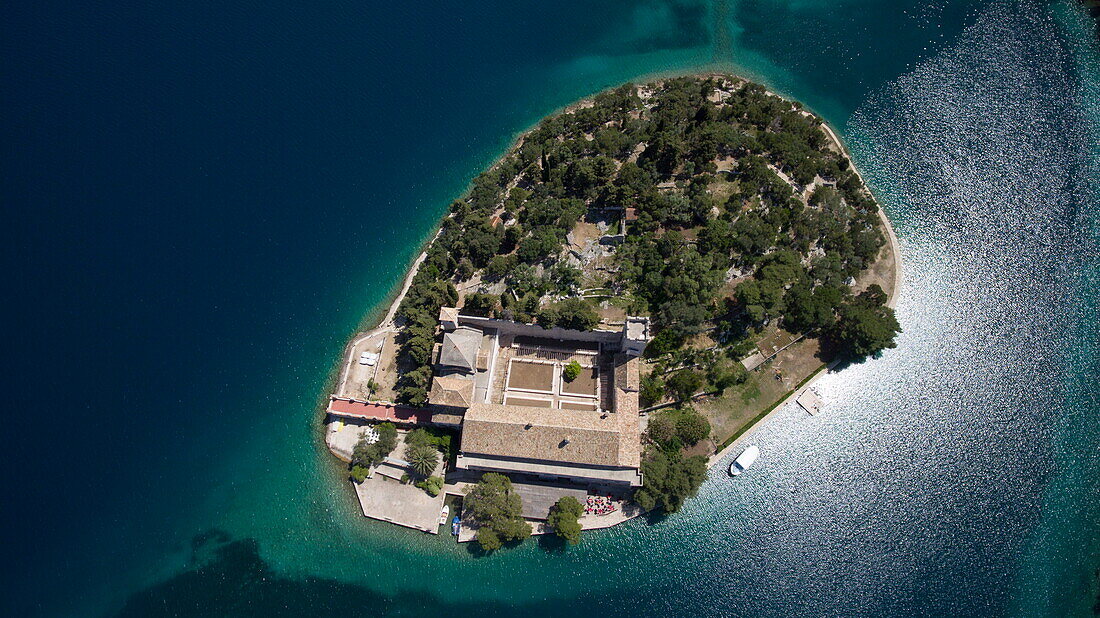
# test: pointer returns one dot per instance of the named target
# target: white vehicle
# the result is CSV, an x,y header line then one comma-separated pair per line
x,y
744,460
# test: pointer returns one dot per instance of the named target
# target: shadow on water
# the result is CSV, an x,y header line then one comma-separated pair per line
x,y
228,577
552,543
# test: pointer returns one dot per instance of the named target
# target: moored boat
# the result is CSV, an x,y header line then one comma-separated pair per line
x,y
744,460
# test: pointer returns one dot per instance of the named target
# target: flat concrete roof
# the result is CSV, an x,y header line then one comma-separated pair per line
x,y
406,505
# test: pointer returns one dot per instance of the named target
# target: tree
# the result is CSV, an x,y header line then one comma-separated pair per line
x,y
684,384
669,479
368,454
480,304
497,510
662,428
563,519
691,427
359,473
577,314
652,389
422,457
571,371
464,270
724,374
664,342
866,326
488,540
810,310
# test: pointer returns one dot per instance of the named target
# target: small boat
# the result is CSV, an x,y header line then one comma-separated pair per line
x,y
443,515
456,523
744,460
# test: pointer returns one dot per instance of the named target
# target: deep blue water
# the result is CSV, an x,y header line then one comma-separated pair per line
x,y
202,201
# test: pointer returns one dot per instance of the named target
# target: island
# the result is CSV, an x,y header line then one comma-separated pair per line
x,y
635,283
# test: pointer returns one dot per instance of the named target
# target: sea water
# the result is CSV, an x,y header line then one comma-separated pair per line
x,y
203,201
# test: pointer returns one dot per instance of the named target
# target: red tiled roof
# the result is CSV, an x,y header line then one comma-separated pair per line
x,y
380,411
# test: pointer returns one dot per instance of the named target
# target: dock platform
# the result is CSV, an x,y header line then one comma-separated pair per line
x,y
811,401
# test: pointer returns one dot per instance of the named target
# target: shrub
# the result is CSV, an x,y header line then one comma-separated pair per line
x,y
433,485
572,370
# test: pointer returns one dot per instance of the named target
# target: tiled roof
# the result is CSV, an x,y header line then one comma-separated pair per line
x,y
379,411
460,348
453,391
448,314
573,436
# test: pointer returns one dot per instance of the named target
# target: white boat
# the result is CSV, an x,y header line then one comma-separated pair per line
x,y
443,515
744,460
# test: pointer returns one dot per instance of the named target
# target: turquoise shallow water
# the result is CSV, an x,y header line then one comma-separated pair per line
x,y
207,200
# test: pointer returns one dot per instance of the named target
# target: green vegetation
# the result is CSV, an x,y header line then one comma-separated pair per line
x,y
433,485
673,429
422,457
684,383
866,326
692,427
652,390
484,305
669,479
573,313
746,217
367,454
431,436
496,509
563,519
571,371
359,473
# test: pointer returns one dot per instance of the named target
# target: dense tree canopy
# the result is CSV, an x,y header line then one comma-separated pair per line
x,y
669,479
563,519
737,194
496,509
366,454
866,326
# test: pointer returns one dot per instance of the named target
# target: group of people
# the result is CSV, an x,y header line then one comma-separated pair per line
x,y
599,505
